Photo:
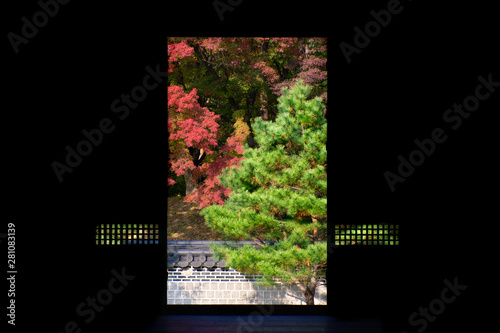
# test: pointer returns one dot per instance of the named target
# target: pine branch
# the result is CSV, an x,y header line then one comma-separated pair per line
x,y
299,284
260,240
294,188
260,244
316,267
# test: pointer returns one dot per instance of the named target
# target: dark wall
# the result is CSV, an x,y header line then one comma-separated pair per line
x,y
395,90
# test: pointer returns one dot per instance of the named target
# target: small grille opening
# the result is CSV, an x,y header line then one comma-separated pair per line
x,y
127,234
367,234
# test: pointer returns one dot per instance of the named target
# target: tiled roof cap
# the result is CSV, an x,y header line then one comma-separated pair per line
x,y
196,254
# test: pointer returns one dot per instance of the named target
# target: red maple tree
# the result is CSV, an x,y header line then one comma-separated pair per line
x,y
176,52
193,133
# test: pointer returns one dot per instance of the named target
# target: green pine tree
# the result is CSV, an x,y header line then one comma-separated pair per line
x,y
278,197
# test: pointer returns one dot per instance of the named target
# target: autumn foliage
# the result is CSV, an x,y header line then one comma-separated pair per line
x,y
211,190
193,126
217,87
189,125
176,52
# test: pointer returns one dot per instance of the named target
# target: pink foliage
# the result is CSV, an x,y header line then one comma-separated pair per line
x,y
181,102
312,68
313,61
180,166
212,191
282,44
176,52
312,75
190,125
268,72
213,44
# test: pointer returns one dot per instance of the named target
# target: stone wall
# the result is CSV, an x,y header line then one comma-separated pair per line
x,y
227,286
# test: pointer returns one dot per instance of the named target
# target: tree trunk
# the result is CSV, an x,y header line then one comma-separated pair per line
x,y
203,56
308,291
309,297
235,104
190,186
302,47
250,102
251,140
263,113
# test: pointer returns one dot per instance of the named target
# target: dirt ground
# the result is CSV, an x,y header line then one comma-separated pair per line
x,y
185,223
